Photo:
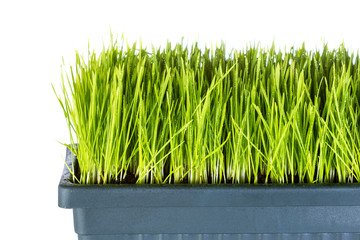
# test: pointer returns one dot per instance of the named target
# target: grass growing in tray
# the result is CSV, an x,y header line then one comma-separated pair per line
x,y
186,115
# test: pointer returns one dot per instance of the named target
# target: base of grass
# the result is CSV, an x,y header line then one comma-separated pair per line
x,y
131,178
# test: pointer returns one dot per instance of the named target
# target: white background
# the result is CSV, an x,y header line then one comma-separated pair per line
x,y
35,35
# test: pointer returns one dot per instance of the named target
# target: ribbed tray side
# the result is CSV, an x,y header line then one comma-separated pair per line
x,y
217,220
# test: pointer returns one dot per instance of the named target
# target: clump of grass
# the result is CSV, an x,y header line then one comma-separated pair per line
x,y
186,115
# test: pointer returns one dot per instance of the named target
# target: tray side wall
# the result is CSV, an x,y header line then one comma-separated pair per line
x,y
217,220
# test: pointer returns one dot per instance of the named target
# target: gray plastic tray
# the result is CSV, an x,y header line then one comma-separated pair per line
x,y
221,212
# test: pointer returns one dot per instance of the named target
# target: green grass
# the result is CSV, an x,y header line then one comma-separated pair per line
x,y
186,115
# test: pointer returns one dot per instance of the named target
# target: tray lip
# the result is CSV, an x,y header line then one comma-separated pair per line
x,y
73,195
